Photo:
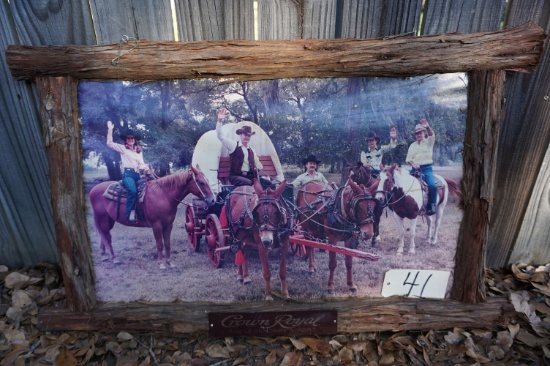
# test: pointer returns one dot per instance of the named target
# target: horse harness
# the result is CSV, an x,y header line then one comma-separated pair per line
x,y
234,226
338,219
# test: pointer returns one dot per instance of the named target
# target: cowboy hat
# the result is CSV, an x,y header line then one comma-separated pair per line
x,y
246,130
129,132
373,135
418,128
311,158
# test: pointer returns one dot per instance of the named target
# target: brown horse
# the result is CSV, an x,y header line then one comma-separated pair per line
x,y
337,215
362,175
159,207
403,195
259,218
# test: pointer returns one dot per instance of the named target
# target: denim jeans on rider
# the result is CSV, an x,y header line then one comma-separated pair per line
x,y
129,179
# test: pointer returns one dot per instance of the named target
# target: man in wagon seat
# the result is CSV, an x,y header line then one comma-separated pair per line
x,y
244,162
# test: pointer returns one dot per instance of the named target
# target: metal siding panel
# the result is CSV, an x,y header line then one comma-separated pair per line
x,y
26,222
522,210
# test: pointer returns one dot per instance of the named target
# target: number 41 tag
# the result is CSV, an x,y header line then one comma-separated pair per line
x,y
415,283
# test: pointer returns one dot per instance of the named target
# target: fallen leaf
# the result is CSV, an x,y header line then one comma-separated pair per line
x,y
291,359
20,299
271,358
531,340
514,329
217,351
124,336
318,345
17,280
240,361
387,359
357,346
545,289
299,345
519,274
65,358
335,344
505,339
345,355
11,357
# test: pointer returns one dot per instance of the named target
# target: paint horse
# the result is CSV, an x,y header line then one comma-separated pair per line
x,y
337,215
360,174
402,193
259,218
159,206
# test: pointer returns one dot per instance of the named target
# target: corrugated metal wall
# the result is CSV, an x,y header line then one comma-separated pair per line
x,y
26,225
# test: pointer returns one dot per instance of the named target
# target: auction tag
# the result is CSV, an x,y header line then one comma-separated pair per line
x,y
415,283
274,323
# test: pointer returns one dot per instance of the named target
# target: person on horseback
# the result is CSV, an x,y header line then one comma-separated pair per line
x,y
371,157
420,157
311,174
131,157
242,171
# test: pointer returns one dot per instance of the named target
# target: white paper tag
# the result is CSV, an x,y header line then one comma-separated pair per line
x,y
415,283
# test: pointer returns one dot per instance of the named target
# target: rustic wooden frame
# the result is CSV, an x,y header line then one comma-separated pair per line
x,y
486,56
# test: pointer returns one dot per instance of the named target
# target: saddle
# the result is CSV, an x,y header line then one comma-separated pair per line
x,y
118,193
438,184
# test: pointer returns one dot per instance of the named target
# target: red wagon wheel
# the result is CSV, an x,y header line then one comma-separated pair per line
x,y
192,225
214,239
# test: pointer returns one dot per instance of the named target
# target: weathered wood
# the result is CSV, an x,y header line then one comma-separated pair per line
x,y
137,19
53,22
394,314
486,88
207,20
61,129
380,18
279,19
531,245
512,49
319,19
524,142
463,16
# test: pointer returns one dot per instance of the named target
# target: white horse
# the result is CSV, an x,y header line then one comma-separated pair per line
x,y
402,193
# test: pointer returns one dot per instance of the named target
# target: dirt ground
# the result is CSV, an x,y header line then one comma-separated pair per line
x,y
194,278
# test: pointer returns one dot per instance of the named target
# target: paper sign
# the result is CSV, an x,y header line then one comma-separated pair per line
x,y
415,283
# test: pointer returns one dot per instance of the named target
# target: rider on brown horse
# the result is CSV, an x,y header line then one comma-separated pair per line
x,y
131,157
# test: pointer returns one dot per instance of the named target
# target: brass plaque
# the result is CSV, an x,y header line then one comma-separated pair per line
x,y
273,323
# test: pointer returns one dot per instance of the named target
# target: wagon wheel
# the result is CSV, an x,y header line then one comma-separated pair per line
x,y
192,223
299,250
214,239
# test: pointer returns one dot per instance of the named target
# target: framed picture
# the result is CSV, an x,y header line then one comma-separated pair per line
x,y
174,121
75,130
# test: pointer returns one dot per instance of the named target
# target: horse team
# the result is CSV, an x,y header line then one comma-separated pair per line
x,y
261,218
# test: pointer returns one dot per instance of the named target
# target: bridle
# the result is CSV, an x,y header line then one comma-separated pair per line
x,y
266,222
388,194
354,201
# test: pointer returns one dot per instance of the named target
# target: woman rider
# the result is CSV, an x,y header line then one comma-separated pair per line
x,y
131,157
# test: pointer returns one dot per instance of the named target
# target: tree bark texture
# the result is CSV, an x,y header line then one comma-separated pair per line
x,y
517,49
480,145
61,129
395,314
